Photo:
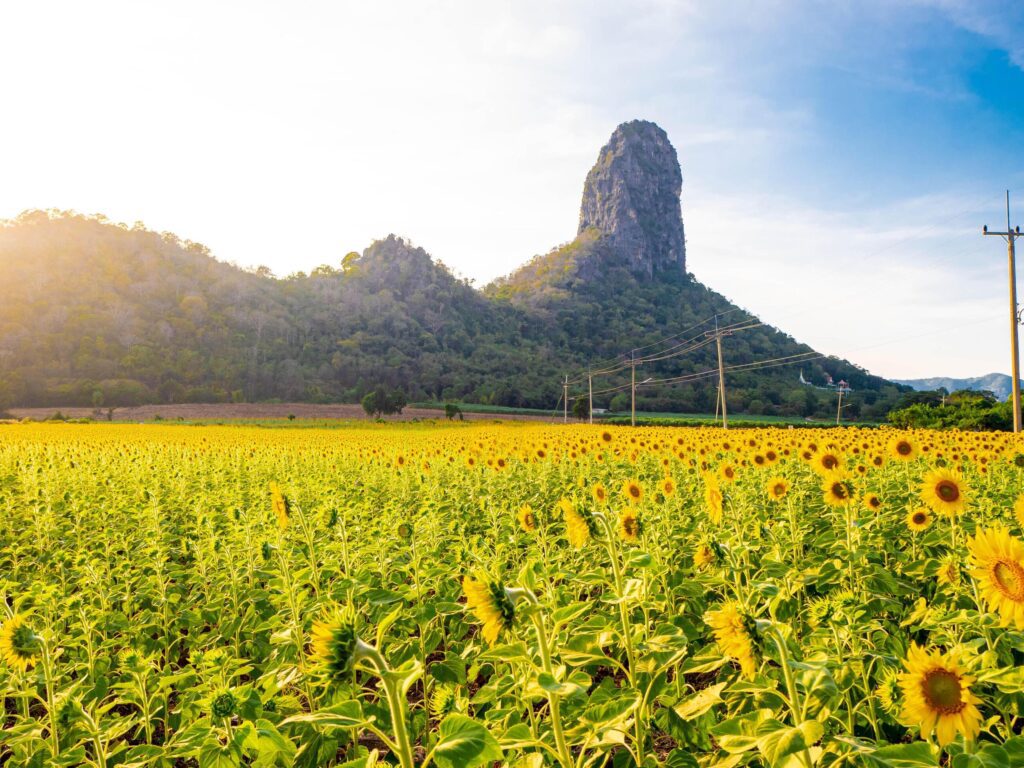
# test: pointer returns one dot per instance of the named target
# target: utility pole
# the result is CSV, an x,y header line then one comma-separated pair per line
x,y
565,400
721,369
590,394
1011,235
839,408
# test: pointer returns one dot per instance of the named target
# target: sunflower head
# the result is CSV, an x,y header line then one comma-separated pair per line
x,y
713,500
888,692
600,493
281,506
20,646
777,488
629,526
838,490
490,602
633,491
937,695
335,645
735,634
527,518
997,565
901,448
945,491
580,525
872,502
948,573
668,487
919,519
703,556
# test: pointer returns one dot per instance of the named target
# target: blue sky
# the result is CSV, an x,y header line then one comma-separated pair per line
x,y
839,158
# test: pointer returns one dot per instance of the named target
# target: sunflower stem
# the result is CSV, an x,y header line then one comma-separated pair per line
x,y
564,755
794,698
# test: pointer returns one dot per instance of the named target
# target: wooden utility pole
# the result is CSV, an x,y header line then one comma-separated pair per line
x,y
565,400
1011,235
721,370
839,408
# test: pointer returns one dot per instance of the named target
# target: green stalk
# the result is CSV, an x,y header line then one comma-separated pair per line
x,y
564,756
795,709
396,703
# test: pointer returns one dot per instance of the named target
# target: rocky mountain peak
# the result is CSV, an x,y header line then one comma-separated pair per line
x,y
631,197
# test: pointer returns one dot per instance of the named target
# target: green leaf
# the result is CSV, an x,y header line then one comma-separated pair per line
x,y
740,734
700,702
610,710
464,743
777,743
347,714
918,754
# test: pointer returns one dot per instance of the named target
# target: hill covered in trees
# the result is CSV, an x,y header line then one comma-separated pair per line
x,y
97,313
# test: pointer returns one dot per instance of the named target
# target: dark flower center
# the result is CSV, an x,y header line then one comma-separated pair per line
x,y
947,490
941,689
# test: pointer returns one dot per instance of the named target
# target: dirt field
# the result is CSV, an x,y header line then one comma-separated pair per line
x,y
215,411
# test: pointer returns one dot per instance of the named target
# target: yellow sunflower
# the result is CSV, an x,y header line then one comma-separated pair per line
x,y
280,504
872,502
334,645
838,490
777,488
949,572
703,556
919,520
727,472
733,633
599,493
19,645
826,461
668,487
997,564
629,525
1018,511
527,519
633,491
490,604
579,524
902,448
937,695
713,499
945,492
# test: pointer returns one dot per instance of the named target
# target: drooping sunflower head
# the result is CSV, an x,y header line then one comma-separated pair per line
x,y
527,518
777,488
20,646
633,491
997,565
937,695
281,506
945,491
629,526
919,519
901,448
734,632
335,645
703,556
489,601
580,525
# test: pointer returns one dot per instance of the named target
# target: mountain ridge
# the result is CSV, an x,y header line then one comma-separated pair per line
x,y
998,384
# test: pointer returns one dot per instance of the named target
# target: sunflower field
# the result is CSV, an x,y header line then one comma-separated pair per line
x,y
510,595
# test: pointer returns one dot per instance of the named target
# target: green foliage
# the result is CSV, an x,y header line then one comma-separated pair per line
x,y
452,411
964,409
581,408
383,402
157,320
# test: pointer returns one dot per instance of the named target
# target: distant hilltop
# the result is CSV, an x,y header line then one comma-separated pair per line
x,y
998,384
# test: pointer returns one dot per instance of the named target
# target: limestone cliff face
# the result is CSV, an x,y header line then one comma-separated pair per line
x,y
631,197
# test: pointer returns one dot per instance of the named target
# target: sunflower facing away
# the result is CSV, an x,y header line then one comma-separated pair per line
x,y
280,504
713,499
945,492
997,560
732,630
334,645
19,645
937,695
490,604
579,524
703,556
527,519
